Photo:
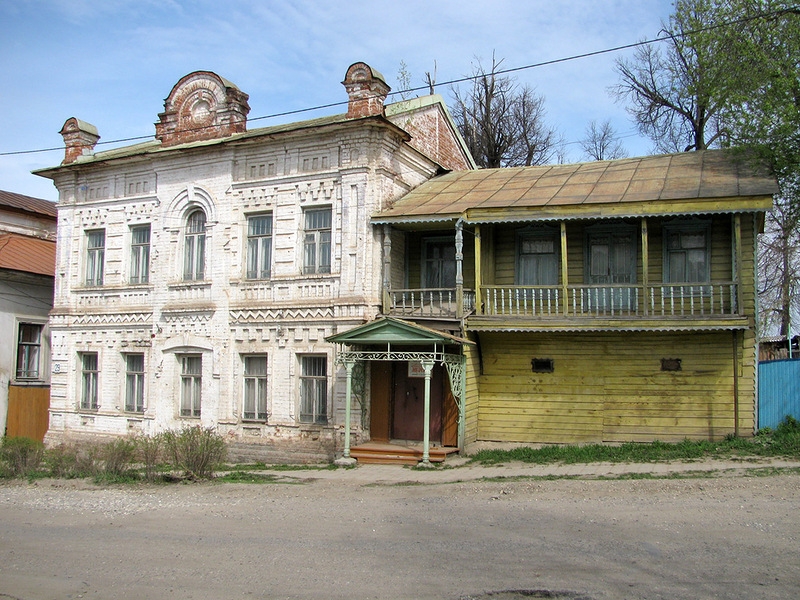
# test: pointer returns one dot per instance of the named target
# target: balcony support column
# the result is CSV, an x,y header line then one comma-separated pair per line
x,y
459,268
737,261
645,267
564,270
478,279
387,267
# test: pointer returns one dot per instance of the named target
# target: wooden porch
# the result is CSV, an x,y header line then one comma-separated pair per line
x,y
397,452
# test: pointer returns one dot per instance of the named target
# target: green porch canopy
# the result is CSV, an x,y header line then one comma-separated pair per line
x,y
374,341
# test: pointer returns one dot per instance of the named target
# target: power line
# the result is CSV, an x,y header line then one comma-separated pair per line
x,y
666,36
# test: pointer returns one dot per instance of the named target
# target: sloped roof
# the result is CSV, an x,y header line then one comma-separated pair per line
x,y
586,189
390,330
27,254
27,204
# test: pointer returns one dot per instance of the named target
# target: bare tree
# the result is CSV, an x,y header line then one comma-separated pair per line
x,y
601,142
502,124
677,96
779,264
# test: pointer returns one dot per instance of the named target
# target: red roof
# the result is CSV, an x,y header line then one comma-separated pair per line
x,y
27,254
28,204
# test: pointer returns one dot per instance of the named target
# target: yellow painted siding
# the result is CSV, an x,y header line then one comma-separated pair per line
x,y
472,394
609,387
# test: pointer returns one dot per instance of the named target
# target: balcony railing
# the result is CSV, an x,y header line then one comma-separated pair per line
x,y
617,300
521,300
432,302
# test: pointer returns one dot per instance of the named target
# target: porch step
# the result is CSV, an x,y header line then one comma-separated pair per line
x,y
383,453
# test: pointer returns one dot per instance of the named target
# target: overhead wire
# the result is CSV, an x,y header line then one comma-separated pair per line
x,y
795,9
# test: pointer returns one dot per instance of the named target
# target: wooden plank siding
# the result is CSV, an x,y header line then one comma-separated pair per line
x,y
503,262
609,387
471,403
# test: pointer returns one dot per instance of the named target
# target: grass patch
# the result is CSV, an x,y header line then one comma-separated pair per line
x,y
249,477
784,441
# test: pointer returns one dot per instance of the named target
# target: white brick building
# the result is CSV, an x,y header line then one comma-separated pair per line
x,y
199,273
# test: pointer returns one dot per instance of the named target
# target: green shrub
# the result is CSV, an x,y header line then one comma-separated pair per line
x,y
148,452
118,456
21,455
196,451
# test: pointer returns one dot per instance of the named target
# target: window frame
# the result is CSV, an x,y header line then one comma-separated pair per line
x,y
95,257
139,272
194,245
90,379
429,242
681,227
314,240
134,384
257,245
24,349
313,391
255,389
537,233
191,406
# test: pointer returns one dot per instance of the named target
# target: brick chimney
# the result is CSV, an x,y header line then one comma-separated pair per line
x,y
80,138
367,90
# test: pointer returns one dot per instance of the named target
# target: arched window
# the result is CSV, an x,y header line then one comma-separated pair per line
x,y
194,246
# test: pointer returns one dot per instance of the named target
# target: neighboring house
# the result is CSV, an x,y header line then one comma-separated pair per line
x,y
27,266
609,301
200,273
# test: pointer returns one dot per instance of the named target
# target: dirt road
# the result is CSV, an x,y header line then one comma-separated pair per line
x,y
722,537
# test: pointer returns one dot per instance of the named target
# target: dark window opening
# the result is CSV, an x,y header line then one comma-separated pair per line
x,y
670,364
542,365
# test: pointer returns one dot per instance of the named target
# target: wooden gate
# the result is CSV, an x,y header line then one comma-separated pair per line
x,y
28,411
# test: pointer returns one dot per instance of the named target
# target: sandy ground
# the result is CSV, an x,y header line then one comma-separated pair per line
x,y
722,536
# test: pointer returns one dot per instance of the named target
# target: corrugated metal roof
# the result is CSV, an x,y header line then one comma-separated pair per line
x,y
27,254
28,204
614,186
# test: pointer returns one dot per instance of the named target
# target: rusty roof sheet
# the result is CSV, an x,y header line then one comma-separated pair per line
x,y
27,204
706,175
27,254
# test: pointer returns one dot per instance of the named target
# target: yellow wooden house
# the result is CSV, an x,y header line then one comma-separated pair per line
x,y
597,302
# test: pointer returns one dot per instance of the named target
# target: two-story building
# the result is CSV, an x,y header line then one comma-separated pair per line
x,y
27,264
601,302
198,274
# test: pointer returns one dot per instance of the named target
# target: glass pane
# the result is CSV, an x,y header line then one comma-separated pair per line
x,y
260,226
693,240
255,365
696,265
30,333
140,235
599,262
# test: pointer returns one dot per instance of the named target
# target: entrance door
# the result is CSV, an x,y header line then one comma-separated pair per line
x,y
408,403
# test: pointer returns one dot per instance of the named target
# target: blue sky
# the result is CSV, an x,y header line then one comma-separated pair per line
x,y
113,62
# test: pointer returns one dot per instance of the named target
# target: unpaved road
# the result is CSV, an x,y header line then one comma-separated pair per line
x,y
719,537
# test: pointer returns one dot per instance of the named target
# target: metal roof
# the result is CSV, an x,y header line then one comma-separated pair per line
x,y
27,254
27,204
631,186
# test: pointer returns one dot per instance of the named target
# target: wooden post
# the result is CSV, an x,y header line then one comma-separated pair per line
x,y
478,280
387,267
564,269
736,383
645,267
737,255
348,402
459,269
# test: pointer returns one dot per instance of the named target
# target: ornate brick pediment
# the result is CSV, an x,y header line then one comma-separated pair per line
x,y
202,106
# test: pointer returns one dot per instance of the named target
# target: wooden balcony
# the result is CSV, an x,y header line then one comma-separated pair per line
x,y
617,300
445,303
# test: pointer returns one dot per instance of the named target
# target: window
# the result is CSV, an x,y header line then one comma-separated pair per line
x,y
313,389
611,262
259,246
191,385
140,254
439,263
537,257
89,371
317,241
134,382
95,254
686,252
29,349
194,257
255,388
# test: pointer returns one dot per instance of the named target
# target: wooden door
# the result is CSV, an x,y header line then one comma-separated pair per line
x,y
28,412
408,404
